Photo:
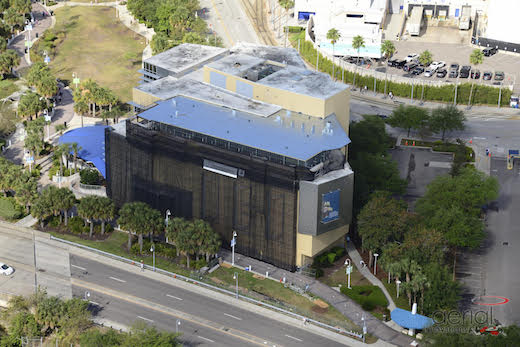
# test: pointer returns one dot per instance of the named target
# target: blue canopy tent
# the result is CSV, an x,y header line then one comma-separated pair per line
x,y
408,320
91,139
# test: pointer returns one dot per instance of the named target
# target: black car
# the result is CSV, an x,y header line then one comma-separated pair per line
x,y
464,71
391,62
410,66
400,63
499,76
487,75
418,70
442,73
475,74
488,52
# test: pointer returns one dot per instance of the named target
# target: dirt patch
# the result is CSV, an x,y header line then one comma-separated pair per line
x,y
226,265
217,281
321,303
259,277
320,310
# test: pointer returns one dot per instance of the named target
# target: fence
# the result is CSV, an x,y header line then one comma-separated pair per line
x,y
215,288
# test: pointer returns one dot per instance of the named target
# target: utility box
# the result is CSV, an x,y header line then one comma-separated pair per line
x,y
415,21
465,18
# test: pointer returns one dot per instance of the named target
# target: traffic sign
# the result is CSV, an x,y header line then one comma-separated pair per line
x,y
29,160
47,118
47,60
349,269
75,80
233,242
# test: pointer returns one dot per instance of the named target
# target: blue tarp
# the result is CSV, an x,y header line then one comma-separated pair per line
x,y
91,139
410,321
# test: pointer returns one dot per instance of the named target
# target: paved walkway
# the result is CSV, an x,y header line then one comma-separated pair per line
x,y
342,303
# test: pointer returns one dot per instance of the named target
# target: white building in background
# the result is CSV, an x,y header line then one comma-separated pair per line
x,y
503,24
446,9
350,18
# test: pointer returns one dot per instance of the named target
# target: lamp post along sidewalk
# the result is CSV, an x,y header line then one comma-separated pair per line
x,y
348,271
235,277
233,243
152,249
375,264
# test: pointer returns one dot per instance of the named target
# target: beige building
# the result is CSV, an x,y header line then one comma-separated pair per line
x,y
271,87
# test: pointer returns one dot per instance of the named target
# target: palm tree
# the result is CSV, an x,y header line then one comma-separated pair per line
x,y
387,49
13,18
286,4
357,43
333,35
187,242
420,283
8,60
476,58
175,226
42,209
139,218
26,191
409,267
65,202
425,58
87,210
47,86
107,211
81,107
75,148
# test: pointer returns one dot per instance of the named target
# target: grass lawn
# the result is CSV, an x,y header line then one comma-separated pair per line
x,y
8,210
8,119
340,277
402,302
97,46
7,87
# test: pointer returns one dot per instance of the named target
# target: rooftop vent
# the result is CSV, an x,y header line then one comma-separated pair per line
x,y
328,128
237,64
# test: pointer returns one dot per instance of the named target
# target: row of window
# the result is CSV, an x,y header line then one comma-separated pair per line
x,y
235,147
150,68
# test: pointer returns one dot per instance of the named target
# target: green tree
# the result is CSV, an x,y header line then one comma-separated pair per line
x,y
47,86
387,49
476,58
409,117
87,209
187,241
65,202
382,220
175,226
34,139
9,174
96,338
358,42
425,58
21,325
368,136
30,104
443,293
75,149
446,118
333,35
192,37
8,60
36,73
22,6
13,18
452,206
287,5
26,191
42,209
144,335
160,43
139,218
106,211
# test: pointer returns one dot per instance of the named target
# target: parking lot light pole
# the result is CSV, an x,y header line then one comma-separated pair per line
x,y
235,277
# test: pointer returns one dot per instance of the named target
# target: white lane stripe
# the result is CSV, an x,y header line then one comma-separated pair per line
x,y
174,297
237,318
117,279
95,303
146,319
294,338
204,338
79,267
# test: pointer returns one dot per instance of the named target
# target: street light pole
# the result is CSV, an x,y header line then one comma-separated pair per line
x,y
349,271
233,243
152,249
375,264
235,277
364,327
398,283
87,295
177,325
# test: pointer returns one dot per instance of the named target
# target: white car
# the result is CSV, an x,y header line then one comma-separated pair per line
x,y
411,57
6,269
437,65
429,72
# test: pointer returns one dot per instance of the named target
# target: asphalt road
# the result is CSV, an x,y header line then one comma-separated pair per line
x,y
223,316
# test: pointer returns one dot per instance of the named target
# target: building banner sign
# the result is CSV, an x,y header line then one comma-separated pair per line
x,y
330,206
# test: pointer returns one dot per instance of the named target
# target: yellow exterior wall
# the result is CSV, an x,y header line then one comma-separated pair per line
x,y
142,98
308,245
340,105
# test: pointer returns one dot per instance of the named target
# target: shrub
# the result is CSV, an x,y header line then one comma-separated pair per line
x,y
89,176
199,264
76,225
331,257
319,272
54,222
340,251
369,297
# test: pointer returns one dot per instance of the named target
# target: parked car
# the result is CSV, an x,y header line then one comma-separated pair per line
x,y
6,269
475,74
437,65
429,72
411,57
454,70
410,66
400,63
489,51
464,71
391,62
418,70
486,76
442,73
499,76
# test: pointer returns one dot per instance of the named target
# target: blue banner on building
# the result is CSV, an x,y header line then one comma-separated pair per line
x,y
330,206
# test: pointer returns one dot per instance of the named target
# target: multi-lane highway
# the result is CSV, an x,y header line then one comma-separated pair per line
x,y
125,297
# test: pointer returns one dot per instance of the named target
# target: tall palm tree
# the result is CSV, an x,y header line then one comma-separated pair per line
x,y
387,49
106,211
66,202
175,226
357,43
333,35
476,58
87,209
81,107
75,148
286,4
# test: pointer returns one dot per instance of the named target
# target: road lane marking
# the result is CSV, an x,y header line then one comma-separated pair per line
x,y
251,339
79,267
205,338
117,279
174,297
294,338
146,319
221,22
235,317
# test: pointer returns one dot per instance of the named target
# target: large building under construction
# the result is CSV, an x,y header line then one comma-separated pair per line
x,y
248,139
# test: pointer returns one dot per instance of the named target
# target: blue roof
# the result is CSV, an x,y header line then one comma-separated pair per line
x,y
285,133
91,139
410,321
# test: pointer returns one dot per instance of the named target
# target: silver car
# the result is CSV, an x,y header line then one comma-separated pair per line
x,y
429,72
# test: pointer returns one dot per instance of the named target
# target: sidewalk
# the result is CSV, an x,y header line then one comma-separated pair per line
x,y
342,303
